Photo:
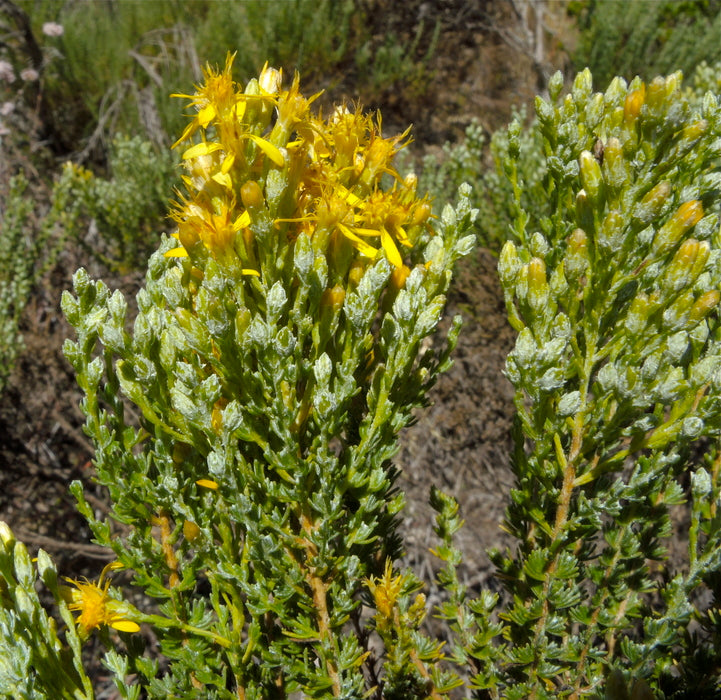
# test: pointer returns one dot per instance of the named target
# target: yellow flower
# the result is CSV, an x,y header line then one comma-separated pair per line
x,y
329,171
96,607
385,591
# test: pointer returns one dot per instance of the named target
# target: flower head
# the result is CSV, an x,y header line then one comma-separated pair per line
x,y
53,29
262,169
96,607
29,75
6,72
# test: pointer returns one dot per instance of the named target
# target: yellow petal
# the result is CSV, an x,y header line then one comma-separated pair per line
x,y
269,149
227,163
346,194
201,149
394,257
176,253
125,626
243,221
239,109
365,248
223,179
248,271
366,231
206,115
187,133
207,484
402,236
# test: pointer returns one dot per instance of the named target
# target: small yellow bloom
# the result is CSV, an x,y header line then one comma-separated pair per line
x,y
386,590
96,607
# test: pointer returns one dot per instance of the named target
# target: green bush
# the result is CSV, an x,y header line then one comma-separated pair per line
x,y
129,208
493,190
29,246
116,63
17,267
245,424
646,38
706,78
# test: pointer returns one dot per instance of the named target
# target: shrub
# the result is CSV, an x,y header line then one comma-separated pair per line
x,y
129,207
493,190
646,38
29,246
116,63
17,266
278,350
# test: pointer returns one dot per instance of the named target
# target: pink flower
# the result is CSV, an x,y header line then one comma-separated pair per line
x,y
7,108
6,72
29,74
53,29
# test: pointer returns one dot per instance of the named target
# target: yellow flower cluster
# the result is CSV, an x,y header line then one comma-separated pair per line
x,y
259,157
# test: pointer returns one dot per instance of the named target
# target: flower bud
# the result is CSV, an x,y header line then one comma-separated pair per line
x,y
685,217
537,284
333,298
584,211
582,86
399,276
190,530
6,535
538,245
355,273
576,260
508,264
693,132
555,85
181,451
633,103
701,485
676,316
251,195
638,313
677,275
411,181
611,233
706,303
652,204
544,111
270,80
616,89
591,178
216,418
421,214
656,94
614,164
558,282
673,83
